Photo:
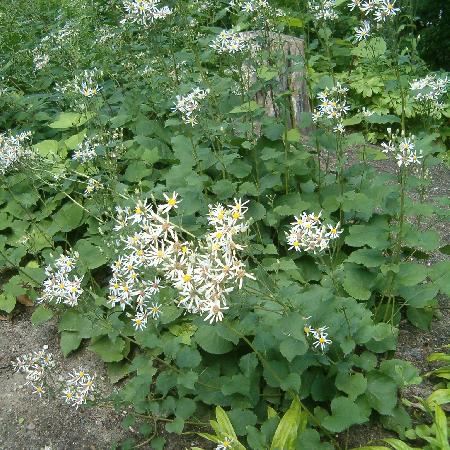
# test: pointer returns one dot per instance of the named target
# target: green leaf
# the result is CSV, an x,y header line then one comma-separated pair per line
x,y
74,141
237,384
352,384
40,315
108,350
293,422
381,392
367,257
241,418
374,235
239,168
245,107
371,48
402,372
420,317
267,73
397,444
358,281
207,338
70,341
117,370
185,407
293,135
68,217
345,413
290,348
188,357
70,119
224,423
411,274
72,320
176,426
439,396
440,275
7,302
46,147
183,150
383,119
224,189
440,422
91,255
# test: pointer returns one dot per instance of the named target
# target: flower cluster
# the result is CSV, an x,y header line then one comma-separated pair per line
x,y
428,92
79,387
226,444
92,186
333,105
85,83
61,286
363,31
403,149
308,233
40,60
323,9
249,6
144,12
85,151
35,366
262,8
229,41
188,104
14,149
321,338
202,273
381,10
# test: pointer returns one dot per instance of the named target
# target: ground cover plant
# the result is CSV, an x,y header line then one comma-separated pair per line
x,y
198,205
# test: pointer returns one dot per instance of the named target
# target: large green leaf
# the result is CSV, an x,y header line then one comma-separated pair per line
x,y
292,423
70,119
345,413
108,350
41,314
207,338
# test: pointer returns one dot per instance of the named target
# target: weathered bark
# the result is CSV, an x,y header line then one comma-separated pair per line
x,y
292,79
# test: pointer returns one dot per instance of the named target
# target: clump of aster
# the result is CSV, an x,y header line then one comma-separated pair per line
x,y
14,150
203,272
308,233
188,104
61,286
363,32
85,84
40,60
261,8
79,387
92,186
332,107
323,9
403,149
229,41
144,12
428,93
380,10
86,150
319,334
36,367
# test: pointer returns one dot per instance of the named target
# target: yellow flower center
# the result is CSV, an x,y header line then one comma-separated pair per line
x,y
171,201
187,278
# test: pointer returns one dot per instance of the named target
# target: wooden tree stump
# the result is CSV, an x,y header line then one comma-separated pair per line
x,y
292,79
